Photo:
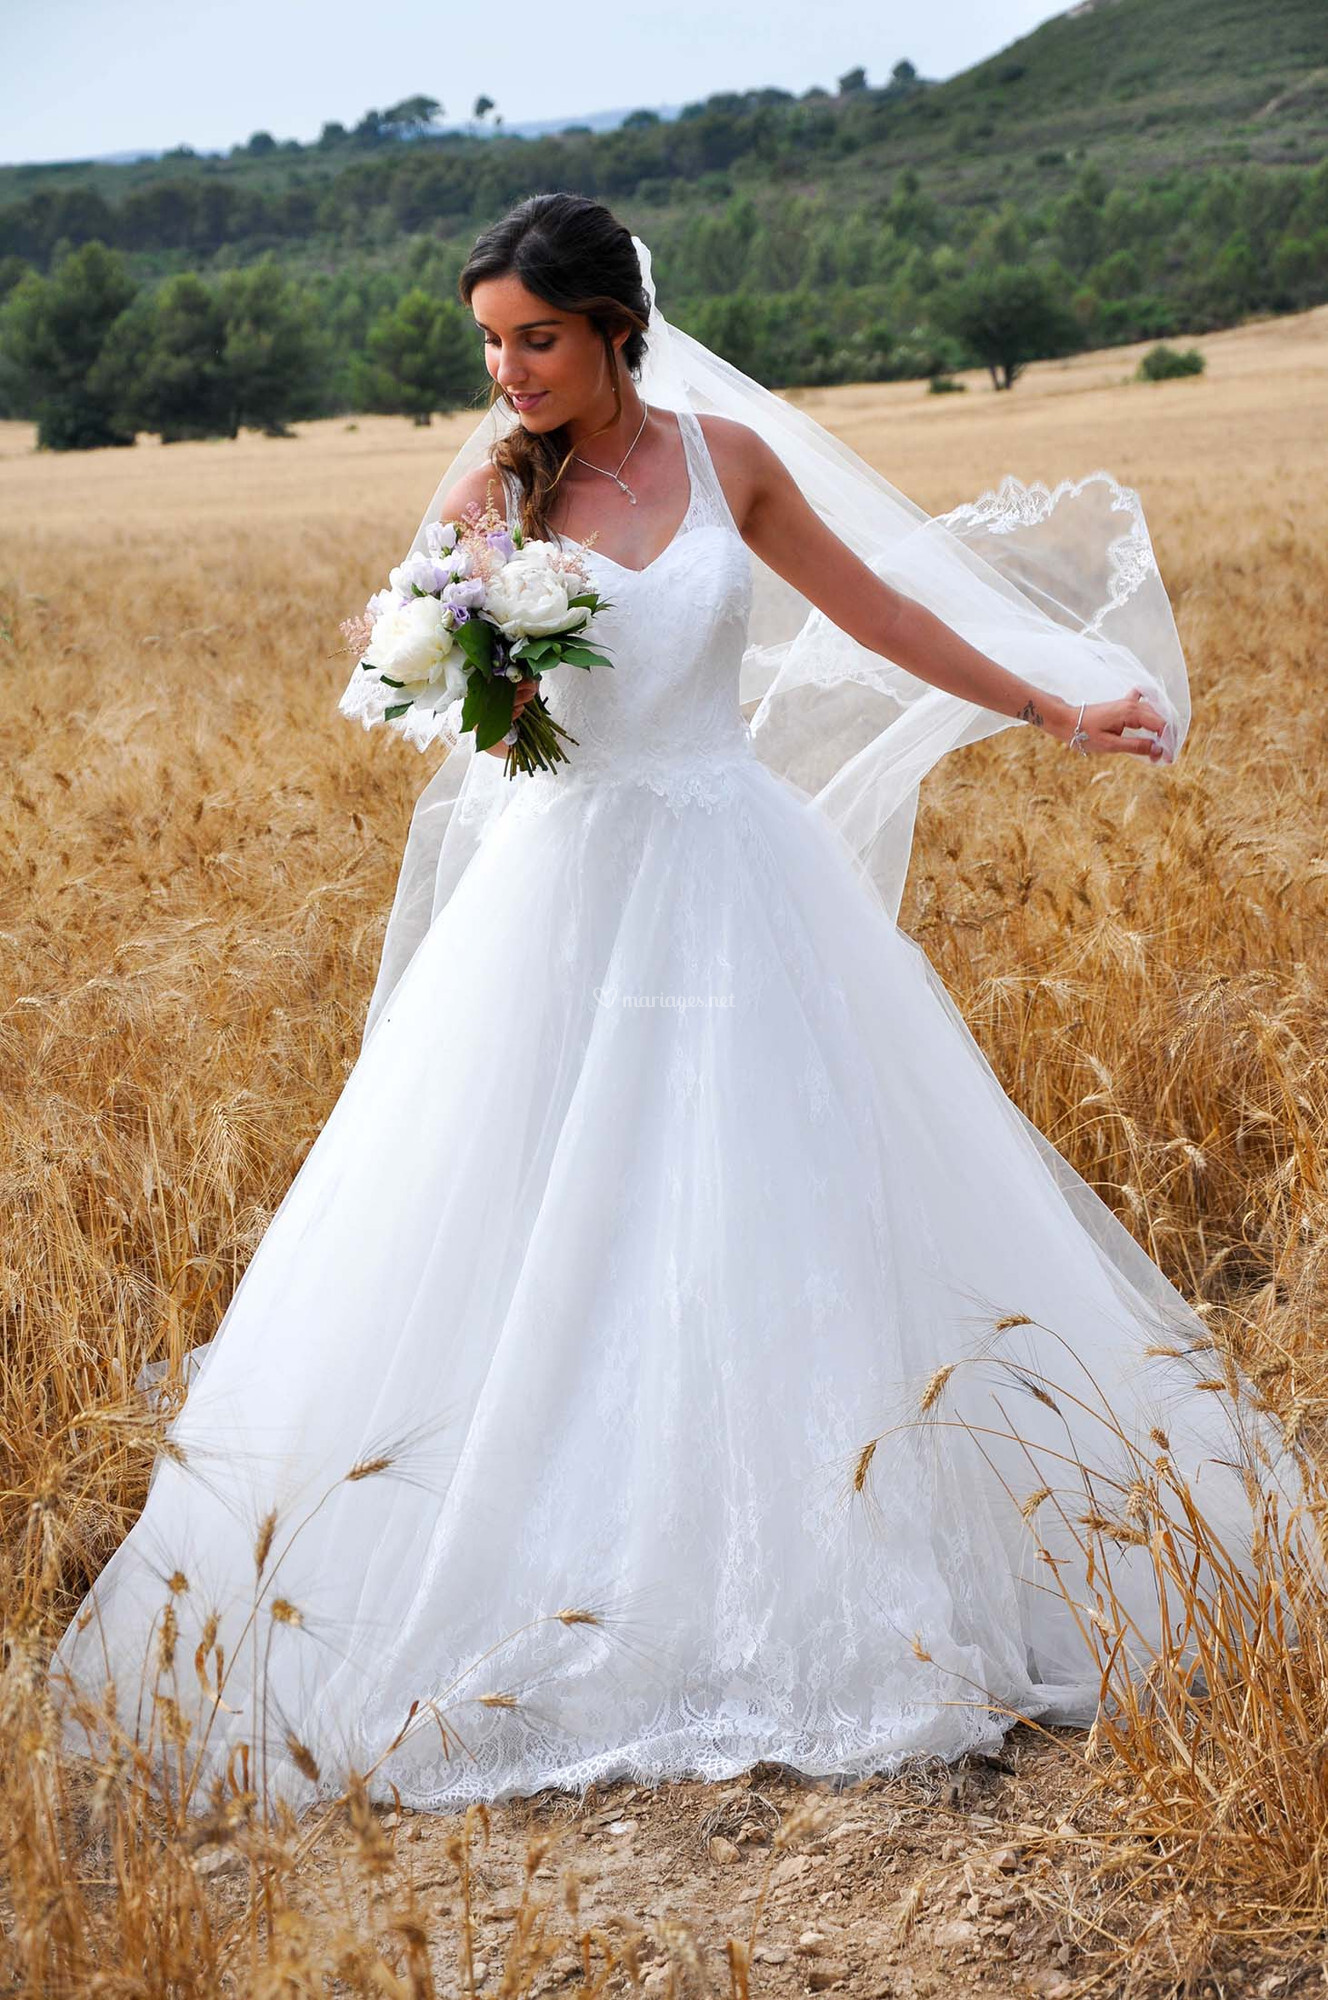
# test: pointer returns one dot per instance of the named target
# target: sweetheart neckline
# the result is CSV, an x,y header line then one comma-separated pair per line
x,y
697,528
626,568
692,497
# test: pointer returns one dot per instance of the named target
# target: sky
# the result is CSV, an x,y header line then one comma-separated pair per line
x,y
80,78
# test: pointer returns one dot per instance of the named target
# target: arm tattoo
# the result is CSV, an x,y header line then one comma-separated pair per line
x,y
1030,713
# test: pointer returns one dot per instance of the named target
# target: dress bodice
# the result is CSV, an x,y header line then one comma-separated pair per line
x,y
667,711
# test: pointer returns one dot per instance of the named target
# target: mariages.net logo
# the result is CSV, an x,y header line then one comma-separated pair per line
x,y
616,996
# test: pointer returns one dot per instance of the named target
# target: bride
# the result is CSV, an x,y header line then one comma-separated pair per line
x,y
676,1351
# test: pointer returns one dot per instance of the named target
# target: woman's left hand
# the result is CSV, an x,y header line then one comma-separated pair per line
x,y
526,689
1104,723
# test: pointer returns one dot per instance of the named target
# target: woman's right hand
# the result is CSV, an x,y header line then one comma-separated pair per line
x,y
1105,723
526,688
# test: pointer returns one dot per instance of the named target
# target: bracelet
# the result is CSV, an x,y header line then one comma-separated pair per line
x,y
1079,740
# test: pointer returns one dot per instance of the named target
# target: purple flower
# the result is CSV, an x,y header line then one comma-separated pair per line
x,y
440,538
466,593
501,540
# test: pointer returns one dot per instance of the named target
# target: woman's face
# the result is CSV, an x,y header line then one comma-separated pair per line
x,y
551,364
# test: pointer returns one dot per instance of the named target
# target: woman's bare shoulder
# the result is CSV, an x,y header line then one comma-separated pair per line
x,y
728,438
742,460
475,488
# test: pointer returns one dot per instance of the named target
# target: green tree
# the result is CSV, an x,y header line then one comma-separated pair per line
x,y
52,331
11,270
912,213
1079,226
716,247
11,387
273,353
733,327
372,130
1117,276
1003,237
1009,315
412,117
1299,266
163,367
419,357
1163,363
1231,285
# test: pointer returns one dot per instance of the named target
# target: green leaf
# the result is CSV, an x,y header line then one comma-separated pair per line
x,y
398,708
475,638
487,708
585,656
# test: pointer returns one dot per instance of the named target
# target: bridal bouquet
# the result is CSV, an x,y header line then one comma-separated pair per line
x,y
461,622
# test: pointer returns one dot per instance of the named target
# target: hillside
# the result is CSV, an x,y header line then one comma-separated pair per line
x,y
1139,87
1132,170
1142,85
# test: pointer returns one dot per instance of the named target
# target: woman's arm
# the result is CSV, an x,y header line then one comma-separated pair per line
x,y
780,525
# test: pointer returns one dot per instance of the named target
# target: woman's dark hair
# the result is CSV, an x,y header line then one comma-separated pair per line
x,y
576,255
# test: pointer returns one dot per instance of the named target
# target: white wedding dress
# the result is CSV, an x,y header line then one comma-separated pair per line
x,y
664,1183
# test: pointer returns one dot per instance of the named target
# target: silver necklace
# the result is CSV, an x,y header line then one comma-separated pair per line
x,y
645,412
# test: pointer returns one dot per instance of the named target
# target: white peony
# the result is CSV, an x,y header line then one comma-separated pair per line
x,y
413,643
527,596
535,552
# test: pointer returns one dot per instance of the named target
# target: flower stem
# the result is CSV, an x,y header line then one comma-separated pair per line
x,y
537,746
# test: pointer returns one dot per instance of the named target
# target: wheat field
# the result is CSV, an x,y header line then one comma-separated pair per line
x,y
199,854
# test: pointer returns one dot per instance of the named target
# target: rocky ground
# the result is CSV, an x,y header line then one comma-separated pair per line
x,y
973,1879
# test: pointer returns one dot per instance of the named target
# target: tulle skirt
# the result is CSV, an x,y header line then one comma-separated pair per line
x,y
656,1363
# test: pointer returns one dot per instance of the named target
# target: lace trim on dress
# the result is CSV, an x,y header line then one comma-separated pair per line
x,y
680,778
711,501
363,702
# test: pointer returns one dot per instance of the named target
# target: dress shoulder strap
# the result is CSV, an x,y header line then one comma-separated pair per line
x,y
510,494
708,501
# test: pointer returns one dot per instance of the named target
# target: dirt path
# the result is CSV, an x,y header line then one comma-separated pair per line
x,y
947,1880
